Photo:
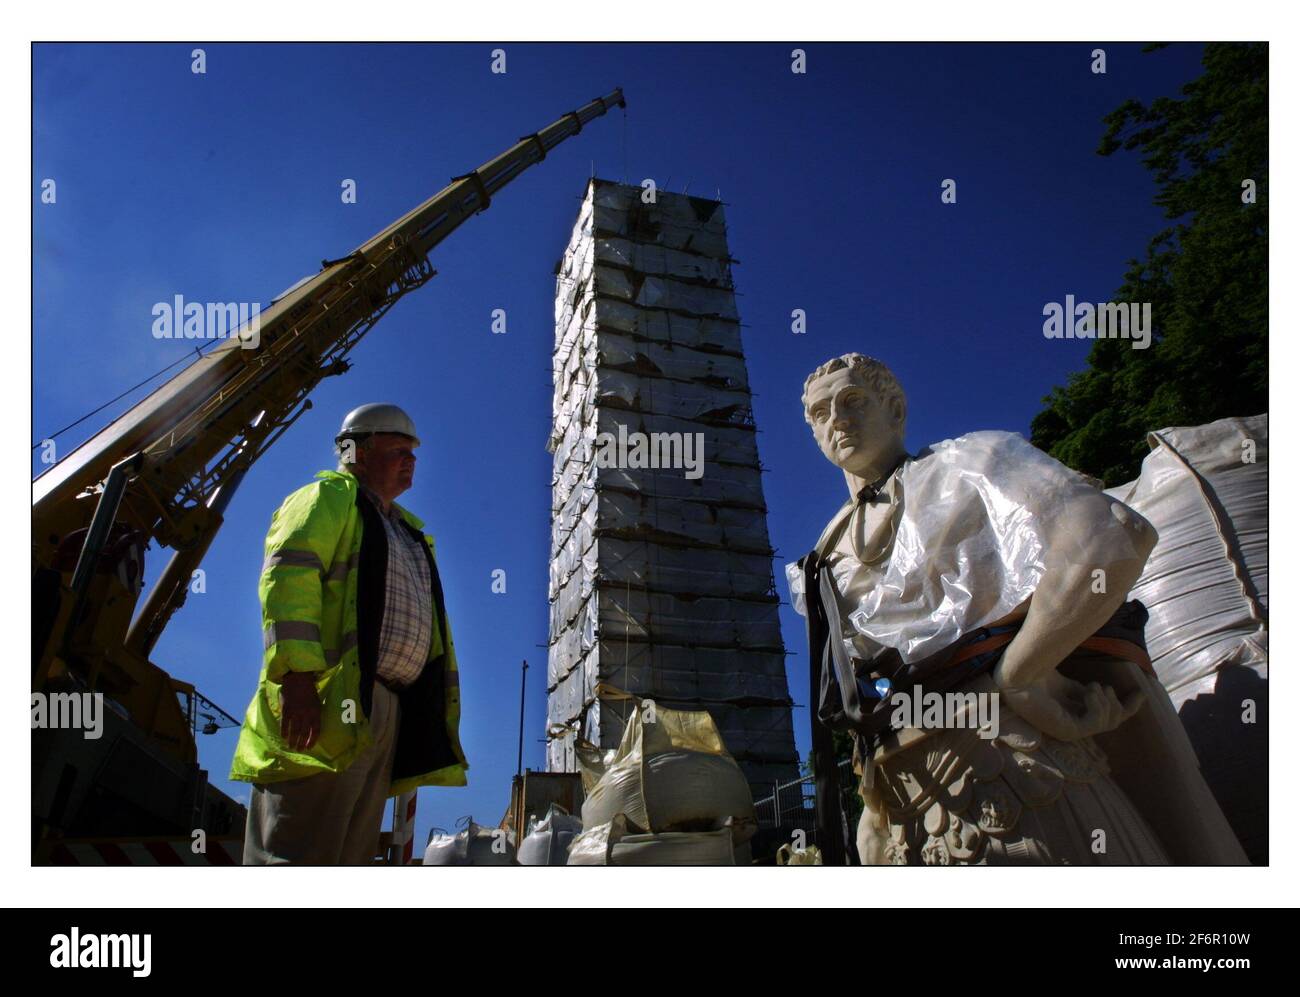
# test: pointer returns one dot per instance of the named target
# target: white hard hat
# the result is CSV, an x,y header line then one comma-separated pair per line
x,y
377,417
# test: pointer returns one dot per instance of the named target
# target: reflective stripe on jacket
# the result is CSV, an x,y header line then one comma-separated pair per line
x,y
322,591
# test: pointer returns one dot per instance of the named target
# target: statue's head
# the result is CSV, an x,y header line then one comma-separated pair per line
x,y
857,411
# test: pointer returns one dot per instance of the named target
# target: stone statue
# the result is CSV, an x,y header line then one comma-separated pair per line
x,y
979,646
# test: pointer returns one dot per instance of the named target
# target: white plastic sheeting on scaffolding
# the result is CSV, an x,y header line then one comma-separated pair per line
x,y
652,565
731,490
686,618
615,352
688,354
669,521
660,556
676,671
611,352
573,276
721,484
679,399
1205,490
677,362
678,674
705,621
673,686
662,261
693,224
625,390
585,311
662,292
614,562
711,518
698,332
616,432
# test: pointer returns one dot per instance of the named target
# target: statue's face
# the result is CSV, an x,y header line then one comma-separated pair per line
x,y
855,430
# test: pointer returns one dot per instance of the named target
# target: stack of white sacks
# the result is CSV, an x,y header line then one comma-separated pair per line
x,y
547,841
670,794
1205,490
475,845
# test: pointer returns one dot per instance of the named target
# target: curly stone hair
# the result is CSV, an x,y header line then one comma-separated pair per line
x,y
870,372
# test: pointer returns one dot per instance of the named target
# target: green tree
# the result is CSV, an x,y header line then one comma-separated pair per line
x,y
1206,276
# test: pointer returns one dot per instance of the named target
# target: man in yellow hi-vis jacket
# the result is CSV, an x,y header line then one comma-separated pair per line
x,y
359,695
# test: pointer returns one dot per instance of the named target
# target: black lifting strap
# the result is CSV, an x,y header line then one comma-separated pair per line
x,y
832,827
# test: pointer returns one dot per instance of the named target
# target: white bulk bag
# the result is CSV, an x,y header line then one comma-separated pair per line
x,y
1205,490
475,845
671,772
548,840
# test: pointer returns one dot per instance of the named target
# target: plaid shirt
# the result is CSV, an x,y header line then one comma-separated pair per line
x,y
408,637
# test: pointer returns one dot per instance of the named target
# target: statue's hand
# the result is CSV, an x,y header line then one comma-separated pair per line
x,y
1065,709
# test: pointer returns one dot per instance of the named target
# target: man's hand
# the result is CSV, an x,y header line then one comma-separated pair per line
x,y
1065,709
300,710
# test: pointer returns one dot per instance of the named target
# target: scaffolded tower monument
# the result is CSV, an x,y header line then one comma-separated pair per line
x,y
661,576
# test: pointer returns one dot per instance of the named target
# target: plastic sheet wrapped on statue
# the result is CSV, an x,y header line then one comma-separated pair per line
x,y
950,581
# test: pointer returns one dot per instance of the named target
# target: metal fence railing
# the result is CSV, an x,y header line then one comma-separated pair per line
x,y
793,804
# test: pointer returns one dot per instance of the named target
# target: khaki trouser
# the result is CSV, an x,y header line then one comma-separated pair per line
x,y
328,819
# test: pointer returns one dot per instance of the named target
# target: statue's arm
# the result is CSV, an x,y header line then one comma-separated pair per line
x,y
1094,551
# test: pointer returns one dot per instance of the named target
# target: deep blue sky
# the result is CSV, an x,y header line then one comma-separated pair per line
x,y
226,187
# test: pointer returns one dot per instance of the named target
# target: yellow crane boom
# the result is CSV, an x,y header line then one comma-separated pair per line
x,y
166,469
